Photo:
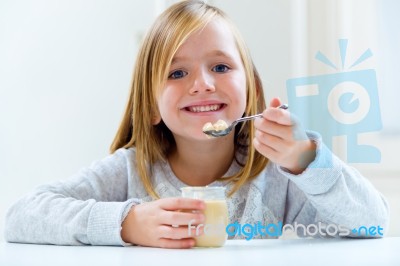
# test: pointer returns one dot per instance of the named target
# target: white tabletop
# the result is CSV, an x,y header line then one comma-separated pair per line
x,y
323,252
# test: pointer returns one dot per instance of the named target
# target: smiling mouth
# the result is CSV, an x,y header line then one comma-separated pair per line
x,y
204,108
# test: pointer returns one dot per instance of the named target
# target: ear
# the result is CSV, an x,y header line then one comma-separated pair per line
x,y
156,119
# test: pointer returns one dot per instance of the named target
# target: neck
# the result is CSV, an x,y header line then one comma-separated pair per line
x,y
201,163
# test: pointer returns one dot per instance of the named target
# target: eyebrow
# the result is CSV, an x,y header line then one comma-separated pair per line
x,y
219,53
211,53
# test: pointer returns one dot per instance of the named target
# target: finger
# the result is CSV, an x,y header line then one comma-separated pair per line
x,y
181,232
177,243
274,142
273,128
275,102
278,115
265,150
173,204
181,218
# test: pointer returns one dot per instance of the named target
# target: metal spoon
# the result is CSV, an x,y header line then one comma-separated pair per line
x,y
221,133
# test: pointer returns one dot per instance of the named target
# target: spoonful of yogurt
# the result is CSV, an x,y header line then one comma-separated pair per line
x,y
221,128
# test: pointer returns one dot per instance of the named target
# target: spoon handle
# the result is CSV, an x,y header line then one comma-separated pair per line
x,y
283,106
248,118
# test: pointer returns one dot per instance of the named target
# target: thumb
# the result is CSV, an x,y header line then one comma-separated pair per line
x,y
275,102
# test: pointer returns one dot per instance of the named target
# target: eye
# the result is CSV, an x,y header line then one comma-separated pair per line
x,y
221,68
177,74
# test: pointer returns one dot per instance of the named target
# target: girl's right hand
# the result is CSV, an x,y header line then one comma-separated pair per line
x,y
163,223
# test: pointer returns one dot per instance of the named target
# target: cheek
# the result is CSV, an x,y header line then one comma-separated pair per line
x,y
242,101
166,103
241,94
163,98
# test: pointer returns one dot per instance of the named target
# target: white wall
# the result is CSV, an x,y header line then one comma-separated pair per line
x,y
65,69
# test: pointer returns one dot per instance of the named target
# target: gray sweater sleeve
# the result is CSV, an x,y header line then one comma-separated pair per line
x,y
85,209
331,192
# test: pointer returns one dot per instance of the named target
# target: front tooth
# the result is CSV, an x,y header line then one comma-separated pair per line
x,y
205,108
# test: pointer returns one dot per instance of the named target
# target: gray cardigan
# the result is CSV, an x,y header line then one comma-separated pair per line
x,y
89,207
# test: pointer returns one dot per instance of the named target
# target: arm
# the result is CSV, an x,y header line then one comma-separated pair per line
x,y
92,208
321,188
331,192
85,209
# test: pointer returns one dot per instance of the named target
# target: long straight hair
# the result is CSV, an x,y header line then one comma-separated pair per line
x,y
153,142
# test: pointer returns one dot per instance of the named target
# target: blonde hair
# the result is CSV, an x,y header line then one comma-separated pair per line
x,y
153,142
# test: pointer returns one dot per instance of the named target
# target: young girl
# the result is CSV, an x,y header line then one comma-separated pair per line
x,y
194,68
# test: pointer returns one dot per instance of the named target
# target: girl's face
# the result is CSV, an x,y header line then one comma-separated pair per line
x,y
206,82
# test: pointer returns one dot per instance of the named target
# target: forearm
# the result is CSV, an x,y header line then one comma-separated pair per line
x,y
46,217
338,194
87,208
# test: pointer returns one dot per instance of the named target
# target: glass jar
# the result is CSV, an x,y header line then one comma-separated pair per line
x,y
216,215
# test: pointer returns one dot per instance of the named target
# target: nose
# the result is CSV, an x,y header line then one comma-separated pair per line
x,y
202,83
